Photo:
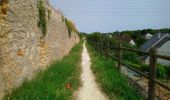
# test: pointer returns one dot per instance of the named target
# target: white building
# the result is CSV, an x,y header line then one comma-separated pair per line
x,y
132,43
148,36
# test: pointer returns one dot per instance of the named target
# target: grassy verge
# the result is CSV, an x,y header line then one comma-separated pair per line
x,y
58,82
112,82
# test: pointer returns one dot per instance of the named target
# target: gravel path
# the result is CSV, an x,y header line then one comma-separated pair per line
x,y
89,89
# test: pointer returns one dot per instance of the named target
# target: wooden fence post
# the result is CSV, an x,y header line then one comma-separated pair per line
x,y
119,56
152,76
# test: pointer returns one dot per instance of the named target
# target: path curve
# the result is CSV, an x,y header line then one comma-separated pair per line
x,y
89,89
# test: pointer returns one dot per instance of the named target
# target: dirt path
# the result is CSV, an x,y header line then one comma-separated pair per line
x,y
89,89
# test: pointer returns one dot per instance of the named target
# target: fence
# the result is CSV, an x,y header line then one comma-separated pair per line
x,y
152,64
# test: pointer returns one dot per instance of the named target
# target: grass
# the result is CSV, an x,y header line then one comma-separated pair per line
x,y
112,82
52,83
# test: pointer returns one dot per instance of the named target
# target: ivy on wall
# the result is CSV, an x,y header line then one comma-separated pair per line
x,y
42,23
71,27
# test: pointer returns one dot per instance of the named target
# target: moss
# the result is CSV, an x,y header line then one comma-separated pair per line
x,y
42,23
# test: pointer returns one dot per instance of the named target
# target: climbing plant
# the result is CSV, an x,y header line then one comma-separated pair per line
x,y
42,23
71,27
68,27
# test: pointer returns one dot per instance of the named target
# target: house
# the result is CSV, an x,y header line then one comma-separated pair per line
x,y
161,41
125,39
132,42
148,36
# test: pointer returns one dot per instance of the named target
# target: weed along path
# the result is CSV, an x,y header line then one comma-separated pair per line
x,y
89,89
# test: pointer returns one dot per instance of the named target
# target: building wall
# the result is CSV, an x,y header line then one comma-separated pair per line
x,y
163,50
23,51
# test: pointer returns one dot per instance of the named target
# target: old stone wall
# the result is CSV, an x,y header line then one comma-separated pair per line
x,y
22,50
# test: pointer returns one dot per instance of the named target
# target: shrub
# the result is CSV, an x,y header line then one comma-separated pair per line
x,y
131,57
161,72
167,68
42,24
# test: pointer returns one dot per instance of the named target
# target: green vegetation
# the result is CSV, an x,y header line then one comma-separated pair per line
x,y
137,35
71,27
130,58
112,82
161,70
58,82
42,24
49,13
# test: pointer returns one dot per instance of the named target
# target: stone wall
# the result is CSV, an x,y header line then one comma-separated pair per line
x,y
22,50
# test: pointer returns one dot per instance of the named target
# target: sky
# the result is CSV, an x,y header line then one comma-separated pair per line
x,y
115,15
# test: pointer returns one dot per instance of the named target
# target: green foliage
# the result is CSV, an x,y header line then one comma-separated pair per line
x,y
71,27
139,35
96,36
51,84
161,72
140,40
112,82
42,23
167,68
130,56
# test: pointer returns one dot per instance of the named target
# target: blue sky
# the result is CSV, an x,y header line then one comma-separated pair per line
x,y
113,15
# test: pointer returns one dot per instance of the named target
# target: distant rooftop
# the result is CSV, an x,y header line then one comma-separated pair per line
x,y
158,38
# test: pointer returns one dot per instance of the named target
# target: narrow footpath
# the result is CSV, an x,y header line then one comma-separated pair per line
x,y
89,89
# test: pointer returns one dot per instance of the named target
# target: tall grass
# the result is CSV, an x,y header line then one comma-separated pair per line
x,y
112,82
52,83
